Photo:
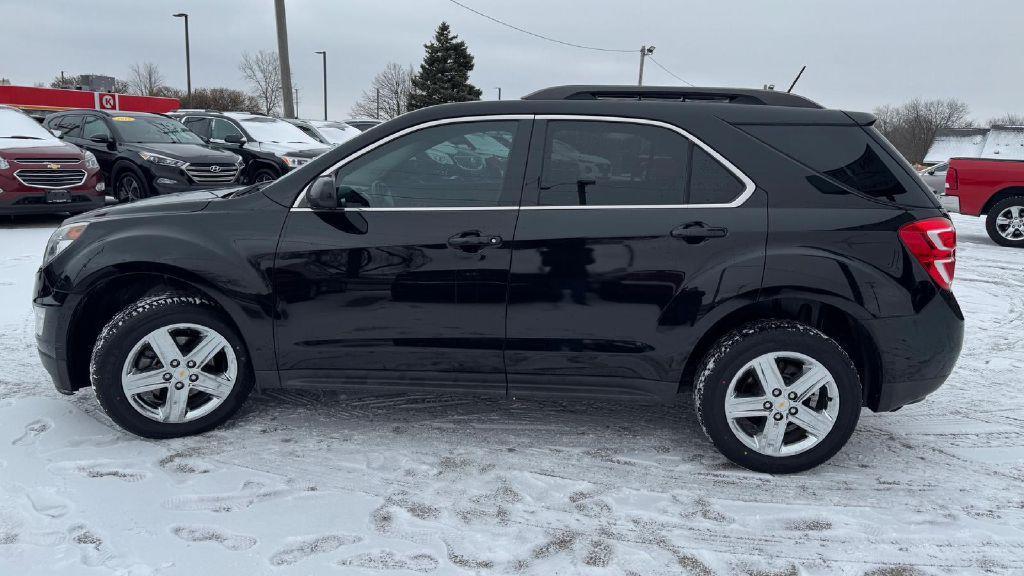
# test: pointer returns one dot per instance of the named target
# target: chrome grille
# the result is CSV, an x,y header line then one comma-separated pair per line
x,y
212,173
61,178
36,161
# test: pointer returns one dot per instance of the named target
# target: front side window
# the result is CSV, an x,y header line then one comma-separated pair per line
x,y
94,126
453,165
220,129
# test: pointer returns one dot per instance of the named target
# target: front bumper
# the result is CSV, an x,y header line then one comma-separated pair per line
x,y
169,179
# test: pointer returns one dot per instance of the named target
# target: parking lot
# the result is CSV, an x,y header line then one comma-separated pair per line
x,y
304,483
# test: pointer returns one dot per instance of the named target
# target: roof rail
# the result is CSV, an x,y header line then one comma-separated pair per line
x,y
673,93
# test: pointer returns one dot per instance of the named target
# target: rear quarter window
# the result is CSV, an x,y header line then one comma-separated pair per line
x,y
850,156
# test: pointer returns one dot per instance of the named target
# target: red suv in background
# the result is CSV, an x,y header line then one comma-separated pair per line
x,y
41,174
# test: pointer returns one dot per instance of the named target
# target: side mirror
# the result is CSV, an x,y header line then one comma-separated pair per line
x,y
57,133
234,139
100,139
322,195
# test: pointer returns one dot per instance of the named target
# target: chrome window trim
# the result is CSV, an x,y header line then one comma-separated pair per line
x,y
748,184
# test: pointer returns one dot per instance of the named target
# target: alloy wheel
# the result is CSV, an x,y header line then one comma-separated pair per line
x,y
179,373
128,189
782,403
1010,223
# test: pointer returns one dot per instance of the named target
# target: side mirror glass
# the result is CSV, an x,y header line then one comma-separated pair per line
x,y
322,195
234,139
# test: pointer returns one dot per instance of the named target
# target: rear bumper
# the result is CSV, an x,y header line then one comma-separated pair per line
x,y
950,203
917,353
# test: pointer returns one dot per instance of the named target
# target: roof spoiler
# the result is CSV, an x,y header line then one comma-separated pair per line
x,y
674,93
862,118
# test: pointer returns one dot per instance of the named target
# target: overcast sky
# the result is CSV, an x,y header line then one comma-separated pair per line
x,y
859,53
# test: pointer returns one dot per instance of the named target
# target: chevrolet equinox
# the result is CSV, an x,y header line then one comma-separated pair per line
x,y
777,260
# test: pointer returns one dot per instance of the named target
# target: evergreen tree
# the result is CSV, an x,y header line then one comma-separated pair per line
x,y
444,74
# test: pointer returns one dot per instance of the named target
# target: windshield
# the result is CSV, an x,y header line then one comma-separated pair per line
x,y
14,124
277,131
143,130
337,133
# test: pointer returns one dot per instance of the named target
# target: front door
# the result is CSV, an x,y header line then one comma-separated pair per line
x,y
405,286
629,233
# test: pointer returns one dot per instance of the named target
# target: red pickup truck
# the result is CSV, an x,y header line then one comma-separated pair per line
x,y
977,186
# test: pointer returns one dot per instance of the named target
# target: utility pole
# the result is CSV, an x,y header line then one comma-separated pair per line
x,y
295,91
645,51
188,57
282,54
499,92
324,54
378,104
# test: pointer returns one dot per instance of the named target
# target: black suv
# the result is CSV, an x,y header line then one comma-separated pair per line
x,y
269,146
779,261
142,155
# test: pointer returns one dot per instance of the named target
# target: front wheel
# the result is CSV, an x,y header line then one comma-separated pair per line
x,y
264,175
130,186
1005,222
777,396
170,365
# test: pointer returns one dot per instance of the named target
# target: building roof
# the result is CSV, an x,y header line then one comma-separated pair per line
x,y
997,142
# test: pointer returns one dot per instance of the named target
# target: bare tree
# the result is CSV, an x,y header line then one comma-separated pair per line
x,y
911,127
1010,119
220,99
263,72
393,84
145,79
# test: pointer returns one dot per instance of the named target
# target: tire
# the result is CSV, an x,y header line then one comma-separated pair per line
x,y
734,364
129,185
1006,233
123,346
264,175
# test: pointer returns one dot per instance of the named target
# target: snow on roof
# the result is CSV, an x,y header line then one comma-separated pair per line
x,y
955,143
1000,142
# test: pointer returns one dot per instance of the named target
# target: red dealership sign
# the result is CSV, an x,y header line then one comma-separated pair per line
x,y
30,98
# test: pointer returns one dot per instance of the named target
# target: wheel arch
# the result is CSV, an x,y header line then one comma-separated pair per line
x,y
1001,195
837,319
110,290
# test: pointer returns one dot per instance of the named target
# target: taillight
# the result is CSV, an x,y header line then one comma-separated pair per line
x,y
933,243
952,179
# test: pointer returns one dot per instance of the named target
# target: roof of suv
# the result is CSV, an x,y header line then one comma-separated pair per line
x,y
673,93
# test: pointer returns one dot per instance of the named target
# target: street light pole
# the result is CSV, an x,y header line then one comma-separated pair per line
x,y
499,92
188,56
324,54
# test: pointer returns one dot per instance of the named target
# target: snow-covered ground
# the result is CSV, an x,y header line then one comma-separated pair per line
x,y
323,484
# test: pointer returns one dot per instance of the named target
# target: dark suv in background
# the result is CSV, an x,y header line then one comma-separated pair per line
x,y
269,147
777,260
144,155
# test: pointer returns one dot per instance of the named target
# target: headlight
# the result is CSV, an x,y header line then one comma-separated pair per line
x,y
90,161
61,239
294,162
3,163
162,160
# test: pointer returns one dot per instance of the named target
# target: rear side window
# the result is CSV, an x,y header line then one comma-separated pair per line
x,y
69,126
846,155
198,125
593,163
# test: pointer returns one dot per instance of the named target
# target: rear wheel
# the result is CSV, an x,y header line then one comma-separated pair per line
x,y
1005,222
777,396
170,365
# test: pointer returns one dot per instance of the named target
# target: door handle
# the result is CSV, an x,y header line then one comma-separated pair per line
x,y
473,239
697,232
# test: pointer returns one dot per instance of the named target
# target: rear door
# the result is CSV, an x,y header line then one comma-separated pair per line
x,y
406,285
631,233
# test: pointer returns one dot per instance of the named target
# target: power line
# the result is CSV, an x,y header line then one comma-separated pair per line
x,y
535,35
667,71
